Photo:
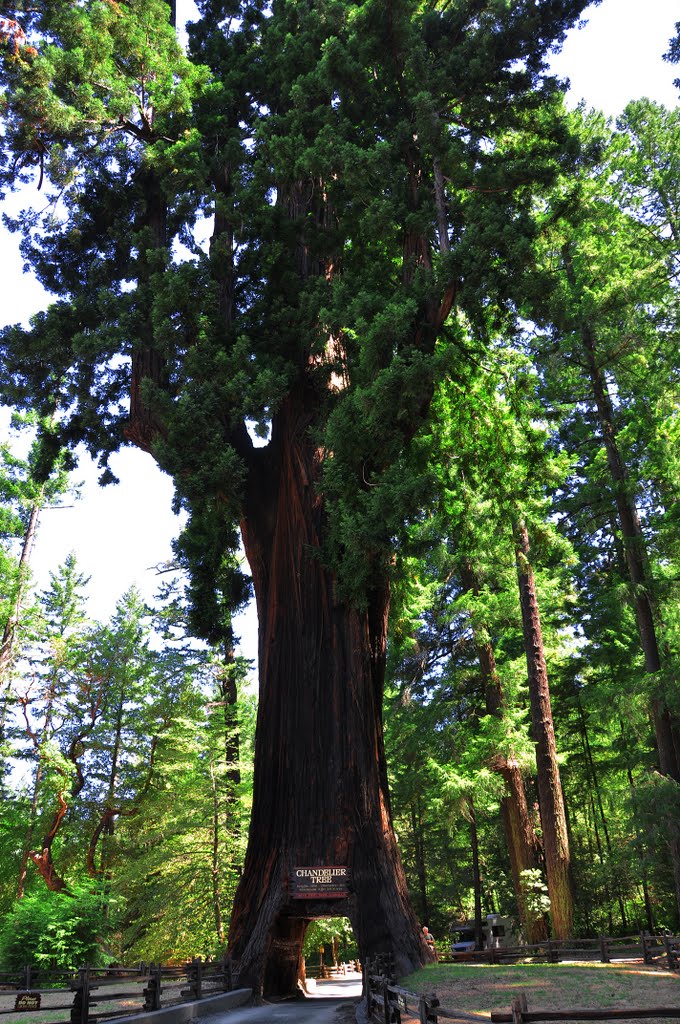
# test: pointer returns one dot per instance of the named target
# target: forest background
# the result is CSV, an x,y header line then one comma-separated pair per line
x,y
126,756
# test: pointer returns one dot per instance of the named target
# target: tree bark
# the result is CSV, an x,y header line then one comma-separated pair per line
x,y
419,853
320,792
635,555
43,859
550,798
215,862
9,631
520,836
232,747
476,873
666,726
597,795
148,364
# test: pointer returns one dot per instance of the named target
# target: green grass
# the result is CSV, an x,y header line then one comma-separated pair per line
x,y
483,987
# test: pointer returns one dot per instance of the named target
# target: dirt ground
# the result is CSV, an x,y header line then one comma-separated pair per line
x,y
65,999
346,1014
482,987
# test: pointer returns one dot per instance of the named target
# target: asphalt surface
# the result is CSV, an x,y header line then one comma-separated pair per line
x,y
331,1003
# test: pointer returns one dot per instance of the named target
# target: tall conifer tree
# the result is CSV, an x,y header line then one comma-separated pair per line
x,y
364,166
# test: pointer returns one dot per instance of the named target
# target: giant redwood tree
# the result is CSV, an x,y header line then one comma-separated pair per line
x,y
269,236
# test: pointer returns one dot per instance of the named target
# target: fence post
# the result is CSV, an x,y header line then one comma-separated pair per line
x,y
386,1001
152,993
27,977
553,952
646,952
604,950
426,1009
80,1011
671,952
198,978
392,1013
368,995
519,1008
227,973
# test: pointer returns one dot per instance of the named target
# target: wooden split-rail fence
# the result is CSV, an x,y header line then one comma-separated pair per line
x,y
114,991
389,1003
520,1013
662,950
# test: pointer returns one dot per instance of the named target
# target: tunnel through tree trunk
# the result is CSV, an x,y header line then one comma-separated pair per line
x,y
320,793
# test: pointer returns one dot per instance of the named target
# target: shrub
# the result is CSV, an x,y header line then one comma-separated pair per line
x,y
54,930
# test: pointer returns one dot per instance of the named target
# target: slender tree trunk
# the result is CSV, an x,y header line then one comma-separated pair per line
x,y
550,798
595,789
476,873
666,726
43,858
45,733
215,865
320,794
30,830
520,836
629,519
148,363
110,825
232,747
14,617
644,878
637,566
419,848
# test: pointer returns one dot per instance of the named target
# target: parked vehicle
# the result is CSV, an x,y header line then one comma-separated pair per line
x,y
497,932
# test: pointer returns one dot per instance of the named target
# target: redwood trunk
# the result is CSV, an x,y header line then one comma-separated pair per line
x,y
520,836
320,787
635,555
666,726
550,798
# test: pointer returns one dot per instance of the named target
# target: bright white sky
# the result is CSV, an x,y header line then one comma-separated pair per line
x,y
121,533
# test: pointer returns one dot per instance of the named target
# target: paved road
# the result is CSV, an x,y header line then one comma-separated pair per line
x,y
320,1008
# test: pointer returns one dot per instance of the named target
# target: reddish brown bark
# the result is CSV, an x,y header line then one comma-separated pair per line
x,y
320,783
550,798
476,872
635,555
320,788
520,836
666,726
665,723
419,854
66,796
629,519
43,859
523,845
